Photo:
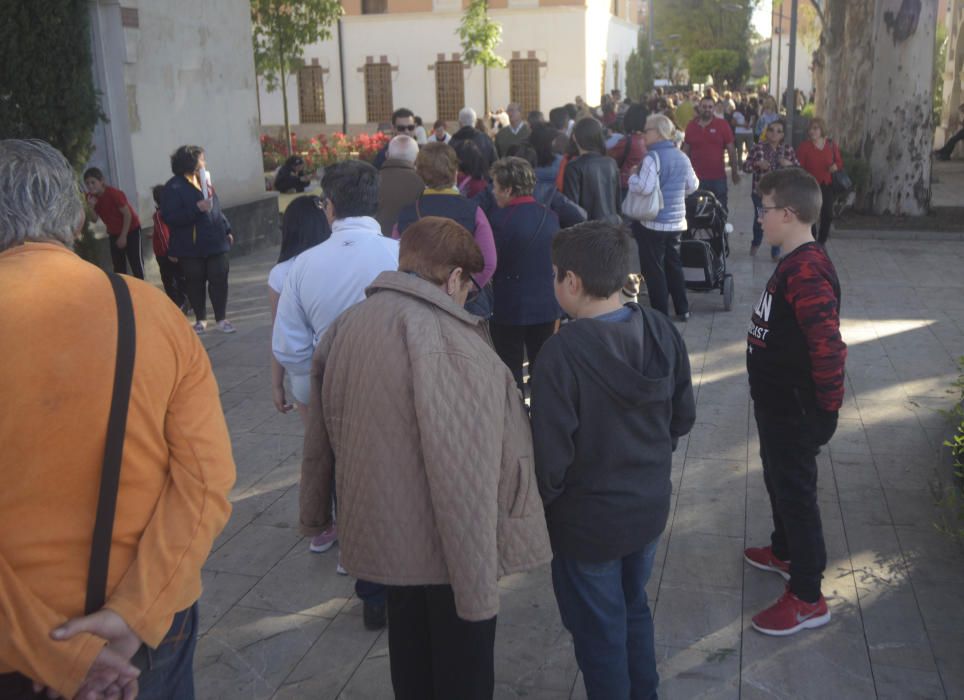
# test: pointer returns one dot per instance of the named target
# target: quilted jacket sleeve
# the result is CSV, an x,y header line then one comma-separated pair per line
x,y
459,413
318,461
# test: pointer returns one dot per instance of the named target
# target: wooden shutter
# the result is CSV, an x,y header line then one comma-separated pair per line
x,y
311,95
378,92
449,89
524,83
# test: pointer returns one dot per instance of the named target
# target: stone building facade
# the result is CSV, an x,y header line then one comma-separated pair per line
x,y
406,53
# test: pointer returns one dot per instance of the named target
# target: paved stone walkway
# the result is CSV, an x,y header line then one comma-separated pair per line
x,y
277,622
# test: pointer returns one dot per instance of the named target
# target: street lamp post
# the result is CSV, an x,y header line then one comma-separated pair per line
x,y
791,70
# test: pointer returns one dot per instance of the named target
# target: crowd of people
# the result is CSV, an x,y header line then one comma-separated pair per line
x,y
411,301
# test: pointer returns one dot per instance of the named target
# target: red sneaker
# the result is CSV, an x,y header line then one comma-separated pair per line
x,y
789,615
762,558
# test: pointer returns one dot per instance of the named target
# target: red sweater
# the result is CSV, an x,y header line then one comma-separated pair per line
x,y
817,161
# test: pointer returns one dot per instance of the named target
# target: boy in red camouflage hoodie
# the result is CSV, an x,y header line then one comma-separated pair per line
x,y
795,359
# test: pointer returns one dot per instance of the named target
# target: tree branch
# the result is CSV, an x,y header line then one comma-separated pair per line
x,y
819,11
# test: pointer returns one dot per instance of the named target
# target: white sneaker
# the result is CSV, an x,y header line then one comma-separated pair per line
x,y
225,326
200,326
339,569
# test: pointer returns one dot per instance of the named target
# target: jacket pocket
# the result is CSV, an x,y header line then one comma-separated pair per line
x,y
523,484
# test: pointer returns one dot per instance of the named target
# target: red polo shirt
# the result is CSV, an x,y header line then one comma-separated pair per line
x,y
706,147
108,209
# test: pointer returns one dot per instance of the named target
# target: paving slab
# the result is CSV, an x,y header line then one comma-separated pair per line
x,y
277,621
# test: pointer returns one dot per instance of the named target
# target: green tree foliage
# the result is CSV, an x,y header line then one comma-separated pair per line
x,y
281,29
640,72
722,64
480,35
47,83
691,26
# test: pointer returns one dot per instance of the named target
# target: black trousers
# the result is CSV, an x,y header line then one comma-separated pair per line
x,y
434,654
821,229
131,253
173,279
211,272
662,268
789,453
512,341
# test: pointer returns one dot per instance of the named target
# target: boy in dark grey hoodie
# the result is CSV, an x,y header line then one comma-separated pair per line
x,y
610,398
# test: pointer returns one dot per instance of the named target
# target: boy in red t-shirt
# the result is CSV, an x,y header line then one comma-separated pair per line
x,y
110,205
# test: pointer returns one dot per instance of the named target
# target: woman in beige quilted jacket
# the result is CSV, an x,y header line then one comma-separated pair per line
x,y
436,493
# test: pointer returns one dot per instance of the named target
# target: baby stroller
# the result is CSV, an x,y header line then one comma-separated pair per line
x,y
705,246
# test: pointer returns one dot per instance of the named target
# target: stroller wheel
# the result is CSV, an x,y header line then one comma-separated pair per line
x,y
727,292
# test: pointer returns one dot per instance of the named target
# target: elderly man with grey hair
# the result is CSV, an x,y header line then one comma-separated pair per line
x,y
69,622
468,132
398,183
516,132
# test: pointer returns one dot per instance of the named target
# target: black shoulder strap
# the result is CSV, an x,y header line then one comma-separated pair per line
x,y
114,449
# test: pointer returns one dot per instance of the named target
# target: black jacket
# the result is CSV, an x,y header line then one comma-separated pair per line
x,y
194,234
486,147
287,180
609,401
592,182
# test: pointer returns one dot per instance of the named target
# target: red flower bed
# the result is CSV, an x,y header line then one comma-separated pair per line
x,y
322,149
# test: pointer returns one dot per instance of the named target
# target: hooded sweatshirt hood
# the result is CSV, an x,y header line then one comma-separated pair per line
x,y
615,355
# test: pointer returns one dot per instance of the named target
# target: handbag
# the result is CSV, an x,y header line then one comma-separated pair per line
x,y
644,207
15,686
840,181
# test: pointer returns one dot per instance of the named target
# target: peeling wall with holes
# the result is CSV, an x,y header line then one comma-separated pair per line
x,y
188,78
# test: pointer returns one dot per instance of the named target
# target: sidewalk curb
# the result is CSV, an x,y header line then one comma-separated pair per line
x,y
865,234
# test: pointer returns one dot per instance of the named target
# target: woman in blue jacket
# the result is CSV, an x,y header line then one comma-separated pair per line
x,y
525,309
659,239
200,235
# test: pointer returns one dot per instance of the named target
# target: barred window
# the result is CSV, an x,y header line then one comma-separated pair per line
x,y
311,95
374,7
378,92
524,83
615,74
602,83
449,89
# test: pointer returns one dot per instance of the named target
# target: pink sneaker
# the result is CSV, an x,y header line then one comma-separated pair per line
x,y
324,541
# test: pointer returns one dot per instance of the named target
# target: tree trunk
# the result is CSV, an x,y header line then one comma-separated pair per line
x,y
873,73
284,91
485,91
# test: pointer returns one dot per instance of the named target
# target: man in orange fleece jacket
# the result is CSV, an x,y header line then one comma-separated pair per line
x,y
58,337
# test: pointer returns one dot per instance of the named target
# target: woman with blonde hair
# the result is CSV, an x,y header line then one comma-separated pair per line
x,y
821,157
659,240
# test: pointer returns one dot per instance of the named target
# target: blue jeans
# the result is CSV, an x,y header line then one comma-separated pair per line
x,y
168,671
605,608
758,227
719,188
370,592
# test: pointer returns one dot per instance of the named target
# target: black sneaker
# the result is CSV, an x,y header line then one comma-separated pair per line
x,y
374,616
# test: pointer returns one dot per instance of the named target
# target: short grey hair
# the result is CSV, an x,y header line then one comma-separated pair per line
x,y
663,125
39,197
467,116
403,148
